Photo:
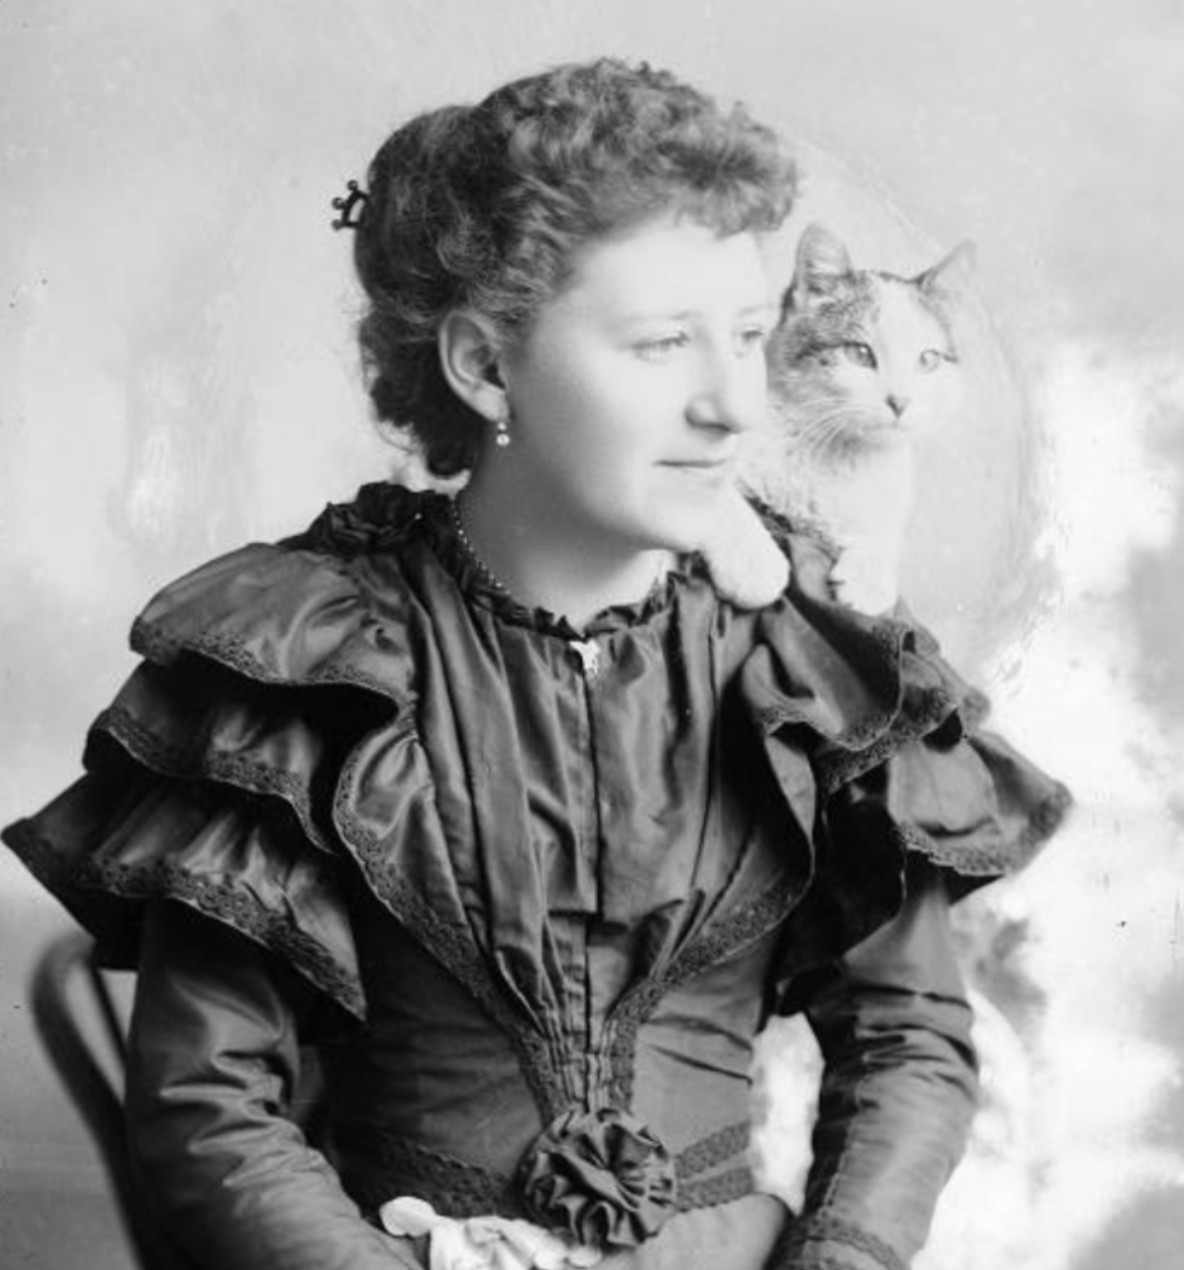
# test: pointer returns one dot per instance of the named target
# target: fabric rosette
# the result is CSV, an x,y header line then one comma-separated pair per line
x,y
602,1178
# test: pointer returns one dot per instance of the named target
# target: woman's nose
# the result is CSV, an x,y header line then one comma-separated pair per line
x,y
730,395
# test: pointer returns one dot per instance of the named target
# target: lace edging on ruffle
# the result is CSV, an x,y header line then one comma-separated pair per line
x,y
100,892
895,728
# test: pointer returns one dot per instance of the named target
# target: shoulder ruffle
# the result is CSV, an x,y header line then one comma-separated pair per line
x,y
280,681
878,748
109,845
211,777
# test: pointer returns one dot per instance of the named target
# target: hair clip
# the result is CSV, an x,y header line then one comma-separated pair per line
x,y
355,199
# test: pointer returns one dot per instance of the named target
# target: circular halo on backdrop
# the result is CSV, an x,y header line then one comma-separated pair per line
x,y
969,564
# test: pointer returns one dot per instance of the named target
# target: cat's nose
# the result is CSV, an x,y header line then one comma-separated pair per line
x,y
897,403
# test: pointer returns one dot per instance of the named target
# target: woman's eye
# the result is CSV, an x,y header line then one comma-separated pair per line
x,y
662,346
861,355
751,339
932,358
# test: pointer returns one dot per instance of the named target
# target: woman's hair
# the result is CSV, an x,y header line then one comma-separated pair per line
x,y
484,207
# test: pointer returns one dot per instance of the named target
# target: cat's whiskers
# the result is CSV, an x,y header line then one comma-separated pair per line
x,y
790,405
843,430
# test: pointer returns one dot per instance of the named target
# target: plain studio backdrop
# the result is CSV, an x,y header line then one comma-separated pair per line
x,y
179,376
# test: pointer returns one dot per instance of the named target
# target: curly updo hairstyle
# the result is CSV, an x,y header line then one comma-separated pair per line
x,y
484,207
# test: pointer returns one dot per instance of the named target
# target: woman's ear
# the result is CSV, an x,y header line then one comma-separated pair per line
x,y
470,357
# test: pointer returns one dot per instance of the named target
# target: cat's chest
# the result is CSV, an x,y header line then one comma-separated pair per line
x,y
865,494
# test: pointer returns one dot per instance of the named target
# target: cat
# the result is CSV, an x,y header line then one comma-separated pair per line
x,y
860,362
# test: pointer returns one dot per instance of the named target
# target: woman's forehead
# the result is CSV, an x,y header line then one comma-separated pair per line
x,y
667,267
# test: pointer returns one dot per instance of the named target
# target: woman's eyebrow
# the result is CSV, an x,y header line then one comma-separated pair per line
x,y
762,308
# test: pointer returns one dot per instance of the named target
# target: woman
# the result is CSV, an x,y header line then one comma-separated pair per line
x,y
500,806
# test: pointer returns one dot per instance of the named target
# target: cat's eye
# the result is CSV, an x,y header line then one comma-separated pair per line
x,y
861,354
932,358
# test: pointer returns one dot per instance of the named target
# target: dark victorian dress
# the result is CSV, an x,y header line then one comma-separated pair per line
x,y
531,893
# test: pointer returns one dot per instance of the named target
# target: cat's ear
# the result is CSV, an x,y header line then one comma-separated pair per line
x,y
821,262
951,274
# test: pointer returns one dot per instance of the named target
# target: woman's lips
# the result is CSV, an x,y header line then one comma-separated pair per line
x,y
700,465
709,470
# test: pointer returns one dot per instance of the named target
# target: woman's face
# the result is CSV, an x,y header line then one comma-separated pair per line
x,y
636,384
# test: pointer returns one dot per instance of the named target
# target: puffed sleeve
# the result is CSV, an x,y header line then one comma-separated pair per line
x,y
211,778
213,1062
898,1089
201,847
902,801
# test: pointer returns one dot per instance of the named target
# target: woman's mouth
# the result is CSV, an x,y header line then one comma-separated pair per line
x,y
706,471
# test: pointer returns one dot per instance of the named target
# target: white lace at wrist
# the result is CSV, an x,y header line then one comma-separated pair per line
x,y
482,1243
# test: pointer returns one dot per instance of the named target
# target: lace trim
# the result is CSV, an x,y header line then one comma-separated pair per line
x,y
712,1150
835,770
392,1166
145,747
807,1235
453,946
713,1191
712,946
162,647
872,727
727,937
395,1166
985,861
221,901
877,736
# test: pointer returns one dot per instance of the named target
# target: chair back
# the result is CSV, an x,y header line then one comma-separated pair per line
x,y
77,1019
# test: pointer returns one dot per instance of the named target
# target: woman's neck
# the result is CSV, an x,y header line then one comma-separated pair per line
x,y
543,557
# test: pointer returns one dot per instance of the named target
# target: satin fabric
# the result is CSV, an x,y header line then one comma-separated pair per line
x,y
512,887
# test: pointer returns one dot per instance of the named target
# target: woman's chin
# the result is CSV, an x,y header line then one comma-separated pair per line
x,y
687,533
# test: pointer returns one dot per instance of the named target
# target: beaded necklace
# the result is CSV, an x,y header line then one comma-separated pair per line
x,y
491,578
474,556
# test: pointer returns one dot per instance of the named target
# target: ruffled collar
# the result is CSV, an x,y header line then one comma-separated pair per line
x,y
383,515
